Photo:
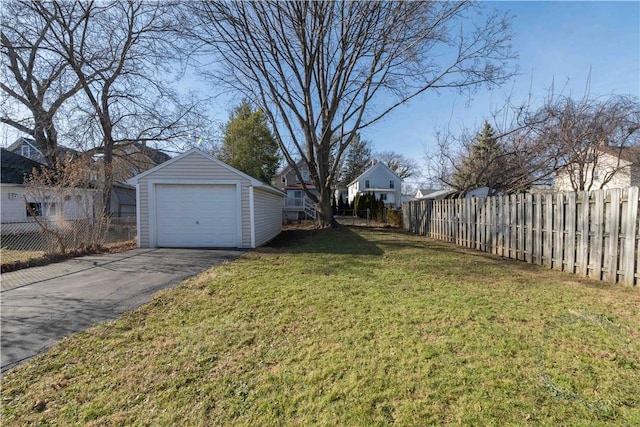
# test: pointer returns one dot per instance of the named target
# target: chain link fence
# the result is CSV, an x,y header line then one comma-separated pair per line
x,y
28,240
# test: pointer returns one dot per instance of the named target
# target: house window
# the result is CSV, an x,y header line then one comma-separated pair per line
x,y
383,197
34,209
25,150
596,175
392,184
367,184
284,180
40,209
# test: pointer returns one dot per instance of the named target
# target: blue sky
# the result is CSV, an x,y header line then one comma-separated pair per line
x,y
557,42
561,42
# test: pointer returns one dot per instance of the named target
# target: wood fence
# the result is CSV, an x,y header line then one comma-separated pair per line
x,y
594,234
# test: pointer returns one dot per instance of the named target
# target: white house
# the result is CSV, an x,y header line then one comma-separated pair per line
x,y
614,167
196,200
423,192
20,202
379,180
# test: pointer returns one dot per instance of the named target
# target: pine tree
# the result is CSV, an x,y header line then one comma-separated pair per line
x,y
484,164
249,145
357,160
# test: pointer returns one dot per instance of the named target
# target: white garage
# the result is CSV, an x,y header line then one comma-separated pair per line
x,y
196,200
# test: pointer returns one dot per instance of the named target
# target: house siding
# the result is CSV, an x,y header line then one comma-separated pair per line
x,y
268,216
379,177
197,168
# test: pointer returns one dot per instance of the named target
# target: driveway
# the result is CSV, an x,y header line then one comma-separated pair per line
x,y
41,305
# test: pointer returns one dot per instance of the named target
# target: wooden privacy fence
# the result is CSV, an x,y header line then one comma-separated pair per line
x,y
594,234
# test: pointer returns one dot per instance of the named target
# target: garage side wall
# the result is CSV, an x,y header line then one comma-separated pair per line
x,y
268,215
192,167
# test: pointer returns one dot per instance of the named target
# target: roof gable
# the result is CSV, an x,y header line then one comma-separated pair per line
x,y
15,168
378,166
255,182
23,140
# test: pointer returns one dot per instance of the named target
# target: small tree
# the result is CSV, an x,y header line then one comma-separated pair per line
x,y
483,165
357,159
61,202
248,143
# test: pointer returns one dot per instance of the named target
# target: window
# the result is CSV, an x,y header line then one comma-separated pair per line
x,y
25,150
392,184
596,175
367,184
40,209
284,180
34,209
383,197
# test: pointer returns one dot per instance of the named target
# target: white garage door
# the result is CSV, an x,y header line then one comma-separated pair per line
x,y
196,216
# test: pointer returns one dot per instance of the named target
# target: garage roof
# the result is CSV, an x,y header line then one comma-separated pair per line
x,y
255,182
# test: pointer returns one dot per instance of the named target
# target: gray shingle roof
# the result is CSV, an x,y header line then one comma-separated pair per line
x,y
15,168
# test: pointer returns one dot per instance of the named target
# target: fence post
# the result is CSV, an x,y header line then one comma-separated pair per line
x,y
612,233
629,230
571,243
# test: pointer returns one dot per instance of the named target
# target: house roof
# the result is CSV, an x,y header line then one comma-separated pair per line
x,y
425,191
438,194
157,156
60,150
15,168
370,169
255,182
629,154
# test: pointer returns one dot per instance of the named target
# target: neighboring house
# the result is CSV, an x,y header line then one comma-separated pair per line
x,y
26,147
297,204
196,200
379,180
123,201
480,192
423,192
21,202
128,161
131,160
614,167
438,194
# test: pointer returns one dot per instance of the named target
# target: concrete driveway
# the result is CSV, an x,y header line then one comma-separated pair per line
x,y
42,305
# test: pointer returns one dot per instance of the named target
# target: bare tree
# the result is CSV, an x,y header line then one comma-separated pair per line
x,y
40,82
120,54
595,139
316,67
60,200
565,139
403,166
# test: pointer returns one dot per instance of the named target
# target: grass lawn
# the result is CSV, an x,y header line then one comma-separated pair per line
x,y
350,327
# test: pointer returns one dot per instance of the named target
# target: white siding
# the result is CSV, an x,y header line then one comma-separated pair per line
x,y
75,204
193,167
13,204
267,215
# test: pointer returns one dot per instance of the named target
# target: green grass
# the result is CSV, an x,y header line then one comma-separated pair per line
x,y
350,327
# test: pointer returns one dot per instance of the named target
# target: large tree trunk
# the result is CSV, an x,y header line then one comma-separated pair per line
x,y
325,210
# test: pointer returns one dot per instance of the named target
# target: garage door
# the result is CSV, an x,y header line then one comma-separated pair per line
x,y
196,216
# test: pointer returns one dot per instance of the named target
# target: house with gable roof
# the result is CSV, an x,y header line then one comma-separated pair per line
x,y
378,179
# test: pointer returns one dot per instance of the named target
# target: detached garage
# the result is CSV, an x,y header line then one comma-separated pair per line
x,y
195,200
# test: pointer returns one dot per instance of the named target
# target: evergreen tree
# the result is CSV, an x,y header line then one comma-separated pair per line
x,y
484,164
249,145
357,159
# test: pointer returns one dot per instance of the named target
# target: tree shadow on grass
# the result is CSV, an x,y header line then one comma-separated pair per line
x,y
342,240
